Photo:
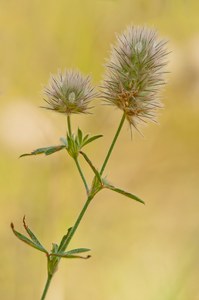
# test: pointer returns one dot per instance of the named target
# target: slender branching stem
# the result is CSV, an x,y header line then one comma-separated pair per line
x,y
89,198
82,175
112,144
69,125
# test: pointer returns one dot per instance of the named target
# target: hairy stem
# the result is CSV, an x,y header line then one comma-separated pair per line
x,y
112,144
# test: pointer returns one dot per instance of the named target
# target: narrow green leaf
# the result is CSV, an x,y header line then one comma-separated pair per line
x,y
54,149
32,236
26,240
73,146
35,152
46,150
78,250
91,139
68,139
77,256
79,136
55,248
64,239
65,255
76,140
85,138
91,165
129,195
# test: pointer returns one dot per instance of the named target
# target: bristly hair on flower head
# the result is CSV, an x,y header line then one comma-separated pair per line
x,y
69,92
134,73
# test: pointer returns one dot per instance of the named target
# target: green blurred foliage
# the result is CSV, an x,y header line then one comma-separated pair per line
x,y
138,252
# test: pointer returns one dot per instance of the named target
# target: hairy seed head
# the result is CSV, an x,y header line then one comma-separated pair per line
x,y
134,74
69,92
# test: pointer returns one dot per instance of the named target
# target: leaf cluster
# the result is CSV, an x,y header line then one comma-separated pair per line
x,y
72,143
57,252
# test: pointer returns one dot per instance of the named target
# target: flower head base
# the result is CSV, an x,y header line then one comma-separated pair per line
x,y
69,92
134,74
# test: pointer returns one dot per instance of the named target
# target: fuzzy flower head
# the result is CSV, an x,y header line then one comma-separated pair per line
x,y
69,92
135,73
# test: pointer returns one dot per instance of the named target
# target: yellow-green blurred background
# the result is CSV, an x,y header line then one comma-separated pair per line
x,y
138,252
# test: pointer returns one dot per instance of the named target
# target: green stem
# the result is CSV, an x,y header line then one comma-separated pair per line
x,y
75,159
67,241
112,144
82,175
74,228
46,286
69,125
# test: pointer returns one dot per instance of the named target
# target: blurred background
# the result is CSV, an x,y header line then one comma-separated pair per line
x,y
138,252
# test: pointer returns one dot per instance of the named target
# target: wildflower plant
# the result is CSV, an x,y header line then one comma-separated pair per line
x,y
134,73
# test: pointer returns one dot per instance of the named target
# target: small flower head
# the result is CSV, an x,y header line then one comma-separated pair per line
x,y
69,92
134,74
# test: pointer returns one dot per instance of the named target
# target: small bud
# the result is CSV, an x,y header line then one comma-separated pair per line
x,y
134,74
69,92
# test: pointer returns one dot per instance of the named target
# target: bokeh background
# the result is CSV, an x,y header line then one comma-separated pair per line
x,y
139,252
